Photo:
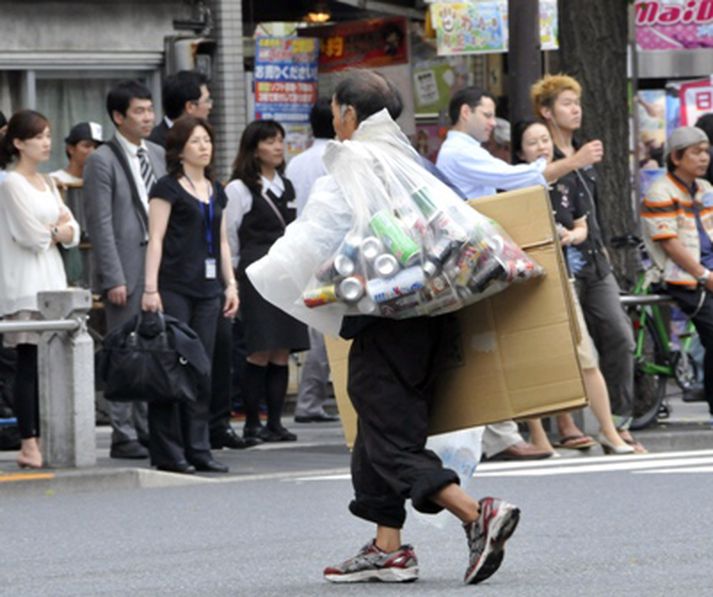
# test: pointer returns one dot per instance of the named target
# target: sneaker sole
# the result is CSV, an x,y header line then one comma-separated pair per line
x,y
384,575
492,557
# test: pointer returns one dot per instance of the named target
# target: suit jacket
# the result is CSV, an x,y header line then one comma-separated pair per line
x,y
117,226
159,132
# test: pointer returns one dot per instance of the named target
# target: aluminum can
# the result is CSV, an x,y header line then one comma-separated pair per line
x,y
442,249
367,306
431,268
386,265
351,289
467,261
443,225
389,230
422,198
406,282
320,296
371,248
350,247
340,265
402,306
490,272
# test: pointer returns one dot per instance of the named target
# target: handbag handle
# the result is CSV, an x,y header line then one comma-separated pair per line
x,y
133,336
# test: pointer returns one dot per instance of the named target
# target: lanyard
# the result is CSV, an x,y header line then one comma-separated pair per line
x,y
208,216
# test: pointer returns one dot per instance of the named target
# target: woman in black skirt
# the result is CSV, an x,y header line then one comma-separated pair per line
x,y
187,269
261,203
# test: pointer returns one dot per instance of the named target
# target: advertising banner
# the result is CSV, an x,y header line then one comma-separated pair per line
x,y
674,24
371,43
696,99
481,26
285,78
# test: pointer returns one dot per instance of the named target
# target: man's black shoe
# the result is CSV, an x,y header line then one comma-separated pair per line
x,y
131,450
210,466
182,467
228,438
325,418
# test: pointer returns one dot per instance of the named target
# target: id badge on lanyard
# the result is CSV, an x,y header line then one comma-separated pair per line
x,y
211,264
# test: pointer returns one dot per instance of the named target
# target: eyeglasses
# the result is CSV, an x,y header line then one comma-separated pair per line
x,y
208,101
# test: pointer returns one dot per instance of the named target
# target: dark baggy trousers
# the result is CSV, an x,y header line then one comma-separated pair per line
x,y
612,332
699,304
392,369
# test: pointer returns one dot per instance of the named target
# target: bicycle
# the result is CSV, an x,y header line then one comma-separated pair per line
x,y
656,358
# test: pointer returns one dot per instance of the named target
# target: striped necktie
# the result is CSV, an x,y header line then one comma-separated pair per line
x,y
147,174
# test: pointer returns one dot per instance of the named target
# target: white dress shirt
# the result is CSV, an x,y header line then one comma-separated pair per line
x,y
240,202
304,169
477,173
131,151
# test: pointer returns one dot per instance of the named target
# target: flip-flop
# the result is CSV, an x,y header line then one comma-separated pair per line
x,y
576,442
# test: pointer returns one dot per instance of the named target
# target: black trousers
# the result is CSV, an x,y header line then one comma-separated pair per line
x,y
26,391
700,302
612,332
221,374
179,432
392,370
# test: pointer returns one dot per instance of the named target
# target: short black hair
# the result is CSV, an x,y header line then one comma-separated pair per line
x,y
368,92
179,88
705,123
320,119
471,96
119,97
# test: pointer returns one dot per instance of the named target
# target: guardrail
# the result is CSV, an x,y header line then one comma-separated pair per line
x,y
65,363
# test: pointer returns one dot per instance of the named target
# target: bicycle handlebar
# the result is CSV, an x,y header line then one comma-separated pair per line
x,y
644,299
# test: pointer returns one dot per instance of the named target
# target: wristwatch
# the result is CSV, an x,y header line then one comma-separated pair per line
x,y
703,278
54,231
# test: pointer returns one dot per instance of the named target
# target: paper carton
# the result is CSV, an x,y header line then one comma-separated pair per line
x,y
517,349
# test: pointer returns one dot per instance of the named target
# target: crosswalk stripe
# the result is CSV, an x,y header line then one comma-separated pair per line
x,y
667,471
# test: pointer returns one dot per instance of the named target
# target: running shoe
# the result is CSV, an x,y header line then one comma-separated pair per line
x,y
486,538
373,564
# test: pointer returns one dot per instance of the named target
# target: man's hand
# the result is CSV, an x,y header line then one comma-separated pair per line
x,y
117,295
709,283
590,153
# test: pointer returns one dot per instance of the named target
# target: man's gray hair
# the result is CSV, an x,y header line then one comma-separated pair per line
x,y
368,92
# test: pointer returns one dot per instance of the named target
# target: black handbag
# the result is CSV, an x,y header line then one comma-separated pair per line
x,y
140,361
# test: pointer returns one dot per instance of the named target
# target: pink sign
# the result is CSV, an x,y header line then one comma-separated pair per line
x,y
674,24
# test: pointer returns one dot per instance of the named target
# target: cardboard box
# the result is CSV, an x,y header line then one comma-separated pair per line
x,y
518,355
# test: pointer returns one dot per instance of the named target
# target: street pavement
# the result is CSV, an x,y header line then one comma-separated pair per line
x,y
591,525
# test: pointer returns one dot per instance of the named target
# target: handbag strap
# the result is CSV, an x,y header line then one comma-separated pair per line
x,y
267,195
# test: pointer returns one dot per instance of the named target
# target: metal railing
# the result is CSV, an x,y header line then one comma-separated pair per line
x,y
52,325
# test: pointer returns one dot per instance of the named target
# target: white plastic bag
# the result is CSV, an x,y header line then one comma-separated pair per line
x,y
382,236
459,451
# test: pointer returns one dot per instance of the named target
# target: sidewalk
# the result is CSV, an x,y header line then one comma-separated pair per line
x,y
319,450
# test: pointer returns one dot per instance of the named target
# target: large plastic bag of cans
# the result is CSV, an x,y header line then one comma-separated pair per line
x,y
382,236
414,248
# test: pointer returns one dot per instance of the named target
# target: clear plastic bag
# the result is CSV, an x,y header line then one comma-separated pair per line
x,y
382,236
414,247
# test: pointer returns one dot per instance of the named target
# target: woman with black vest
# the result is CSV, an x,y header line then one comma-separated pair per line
x,y
261,203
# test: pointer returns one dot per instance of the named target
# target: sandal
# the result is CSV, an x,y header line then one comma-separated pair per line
x,y
576,442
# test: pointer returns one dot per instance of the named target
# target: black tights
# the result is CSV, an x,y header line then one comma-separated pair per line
x,y
26,392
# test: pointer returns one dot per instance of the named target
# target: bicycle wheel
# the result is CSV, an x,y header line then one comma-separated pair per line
x,y
649,389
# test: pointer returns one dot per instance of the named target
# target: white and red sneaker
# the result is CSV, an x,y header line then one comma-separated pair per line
x,y
487,536
373,564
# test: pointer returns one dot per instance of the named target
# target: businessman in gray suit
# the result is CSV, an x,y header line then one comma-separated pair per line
x,y
117,180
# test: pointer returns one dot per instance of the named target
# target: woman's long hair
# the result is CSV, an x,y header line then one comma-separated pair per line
x,y
23,125
246,166
176,140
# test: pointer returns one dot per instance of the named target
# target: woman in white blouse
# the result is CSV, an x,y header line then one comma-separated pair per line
x,y
33,221
261,203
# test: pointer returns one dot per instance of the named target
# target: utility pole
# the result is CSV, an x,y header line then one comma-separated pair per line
x,y
524,56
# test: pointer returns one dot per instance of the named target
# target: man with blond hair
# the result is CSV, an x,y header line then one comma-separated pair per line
x,y
556,99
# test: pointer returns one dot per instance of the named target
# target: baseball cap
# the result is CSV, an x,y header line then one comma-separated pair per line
x,y
85,131
685,136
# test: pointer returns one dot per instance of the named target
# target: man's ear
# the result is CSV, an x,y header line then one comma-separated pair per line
x,y
546,114
464,112
189,107
117,118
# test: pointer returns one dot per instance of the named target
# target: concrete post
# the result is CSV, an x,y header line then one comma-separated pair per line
x,y
66,383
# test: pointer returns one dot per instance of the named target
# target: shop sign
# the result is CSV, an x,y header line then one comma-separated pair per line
x,y
285,78
674,24
371,43
696,100
481,26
